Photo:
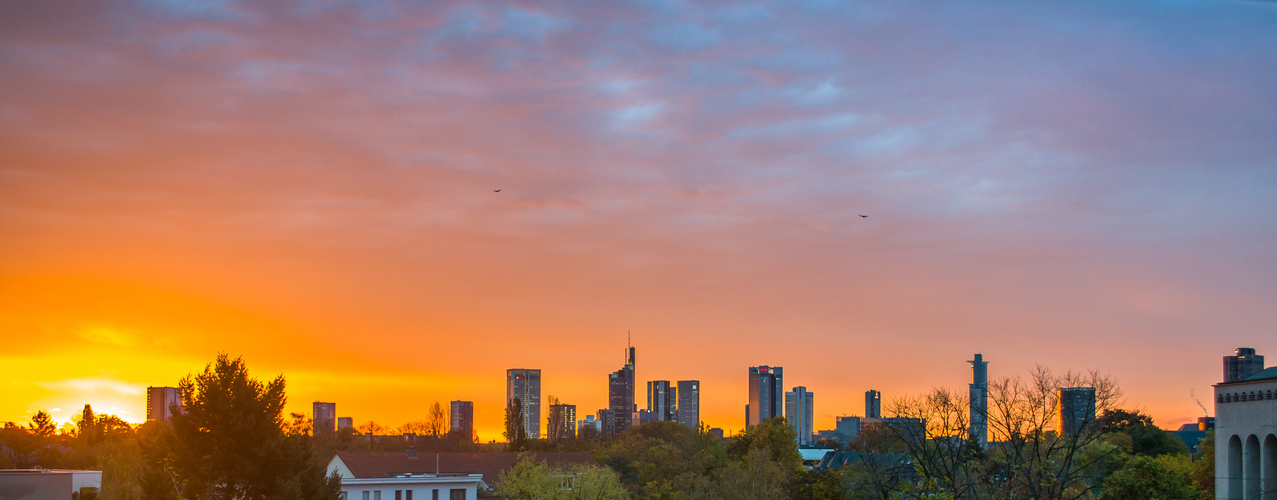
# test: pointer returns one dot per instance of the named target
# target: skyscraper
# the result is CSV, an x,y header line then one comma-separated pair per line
x,y
620,395
1077,409
159,401
525,385
766,394
661,400
462,413
323,418
562,422
1244,364
799,412
979,396
873,404
689,403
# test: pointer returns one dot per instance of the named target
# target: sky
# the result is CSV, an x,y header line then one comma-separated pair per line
x,y
311,185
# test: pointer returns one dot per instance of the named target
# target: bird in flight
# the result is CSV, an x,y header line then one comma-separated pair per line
x,y
496,190
863,216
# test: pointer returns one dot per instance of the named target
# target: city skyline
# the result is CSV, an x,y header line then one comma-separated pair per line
x,y
488,185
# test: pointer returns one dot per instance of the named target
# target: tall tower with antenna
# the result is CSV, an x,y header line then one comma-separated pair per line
x,y
620,391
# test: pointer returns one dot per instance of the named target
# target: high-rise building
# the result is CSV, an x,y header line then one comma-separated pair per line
x,y
766,394
620,395
462,416
562,422
689,403
1077,409
1244,364
847,428
799,413
606,421
873,404
159,402
323,418
979,397
524,384
345,423
662,399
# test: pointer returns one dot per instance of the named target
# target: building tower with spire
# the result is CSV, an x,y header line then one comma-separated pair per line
x,y
620,393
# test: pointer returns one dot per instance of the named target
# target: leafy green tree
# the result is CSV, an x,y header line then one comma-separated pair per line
x,y
530,479
1165,477
1146,438
229,441
773,436
1203,472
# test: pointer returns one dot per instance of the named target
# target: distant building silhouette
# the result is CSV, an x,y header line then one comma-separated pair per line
x,y
979,397
323,418
847,428
620,395
662,399
766,394
159,401
799,413
462,418
525,384
689,403
591,422
873,404
1077,409
1242,364
562,422
345,423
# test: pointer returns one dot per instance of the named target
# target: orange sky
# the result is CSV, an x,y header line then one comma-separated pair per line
x,y
310,185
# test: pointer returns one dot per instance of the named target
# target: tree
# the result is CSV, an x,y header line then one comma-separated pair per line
x,y
1146,438
515,433
1166,477
1204,466
42,424
530,479
229,441
438,423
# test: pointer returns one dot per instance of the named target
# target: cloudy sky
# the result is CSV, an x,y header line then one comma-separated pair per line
x,y
310,184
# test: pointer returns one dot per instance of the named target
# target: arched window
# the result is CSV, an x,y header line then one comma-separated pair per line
x,y
1219,398
1252,396
1235,398
1228,398
1269,395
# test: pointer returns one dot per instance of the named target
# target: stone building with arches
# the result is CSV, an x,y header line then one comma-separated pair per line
x,y
1246,435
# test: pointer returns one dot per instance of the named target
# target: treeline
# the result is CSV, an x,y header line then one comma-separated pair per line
x,y
233,441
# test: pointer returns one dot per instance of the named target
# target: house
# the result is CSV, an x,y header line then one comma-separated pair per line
x,y
17,484
430,476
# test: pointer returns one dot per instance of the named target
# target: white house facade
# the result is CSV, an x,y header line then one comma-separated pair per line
x,y
1246,438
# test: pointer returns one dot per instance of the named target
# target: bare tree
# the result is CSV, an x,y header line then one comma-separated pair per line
x,y
1028,455
437,424
1036,459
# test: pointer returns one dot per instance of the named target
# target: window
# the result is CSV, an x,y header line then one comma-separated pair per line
x,y
376,495
457,494
366,493
408,495
398,494
434,494
343,496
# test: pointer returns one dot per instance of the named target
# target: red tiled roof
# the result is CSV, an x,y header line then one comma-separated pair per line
x,y
380,464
